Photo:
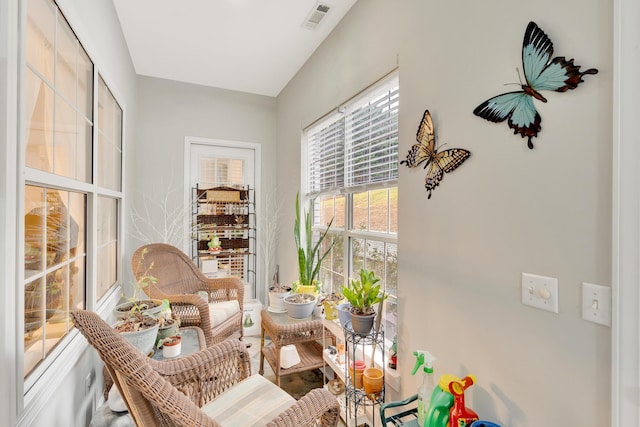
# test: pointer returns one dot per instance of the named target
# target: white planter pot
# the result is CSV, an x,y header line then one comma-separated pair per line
x,y
276,301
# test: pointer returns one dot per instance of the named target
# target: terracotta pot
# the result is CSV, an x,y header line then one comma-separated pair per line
x,y
373,380
356,374
172,347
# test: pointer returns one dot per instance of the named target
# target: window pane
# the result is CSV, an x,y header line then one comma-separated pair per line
x,y
332,270
379,210
85,83
40,36
391,265
65,155
374,259
393,210
109,139
340,218
327,211
54,227
84,150
357,256
361,211
107,243
66,47
39,117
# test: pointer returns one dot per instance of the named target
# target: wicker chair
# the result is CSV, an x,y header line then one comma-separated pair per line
x,y
179,280
183,391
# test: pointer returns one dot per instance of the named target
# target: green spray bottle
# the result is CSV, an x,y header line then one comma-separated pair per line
x,y
428,383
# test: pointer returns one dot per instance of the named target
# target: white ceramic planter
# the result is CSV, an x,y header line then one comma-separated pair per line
x,y
173,348
276,301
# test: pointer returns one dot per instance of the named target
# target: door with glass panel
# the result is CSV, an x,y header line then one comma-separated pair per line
x,y
217,165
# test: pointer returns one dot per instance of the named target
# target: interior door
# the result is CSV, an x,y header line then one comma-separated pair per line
x,y
223,164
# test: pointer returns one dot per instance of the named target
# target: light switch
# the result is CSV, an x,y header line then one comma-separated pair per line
x,y
540,292
596,303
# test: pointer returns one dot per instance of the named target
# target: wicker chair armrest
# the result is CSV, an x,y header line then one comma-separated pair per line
x,y
200,303
318,404
204,375
226,289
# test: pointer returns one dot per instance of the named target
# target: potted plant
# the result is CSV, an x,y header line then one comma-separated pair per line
x,y
309,254
277,294
138,319
300,306
331,303
363,293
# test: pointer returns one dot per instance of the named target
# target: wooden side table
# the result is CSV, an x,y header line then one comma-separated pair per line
x,y
305,334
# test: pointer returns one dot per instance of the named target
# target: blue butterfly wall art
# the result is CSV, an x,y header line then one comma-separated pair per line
x,y
425,151
541,73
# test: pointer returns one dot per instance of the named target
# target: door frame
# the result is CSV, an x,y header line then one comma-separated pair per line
x,y
625,337
223,143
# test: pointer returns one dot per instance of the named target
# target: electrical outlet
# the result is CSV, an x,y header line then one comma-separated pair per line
x,y
596,303
540,292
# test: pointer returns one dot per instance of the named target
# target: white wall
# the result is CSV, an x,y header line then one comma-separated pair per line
x,y
98,29
168,111
507,210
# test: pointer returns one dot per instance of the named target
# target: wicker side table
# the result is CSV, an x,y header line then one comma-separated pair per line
x,y
305,334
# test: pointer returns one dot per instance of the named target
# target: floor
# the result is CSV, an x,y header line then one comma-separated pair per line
x,y
297,385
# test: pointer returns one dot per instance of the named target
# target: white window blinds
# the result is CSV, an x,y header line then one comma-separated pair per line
x,y
358,146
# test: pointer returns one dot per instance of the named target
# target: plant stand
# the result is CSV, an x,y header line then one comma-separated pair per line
x,y
356,397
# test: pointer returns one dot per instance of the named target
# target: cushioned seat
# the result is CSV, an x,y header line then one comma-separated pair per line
x,y
191,294
252,402
212,387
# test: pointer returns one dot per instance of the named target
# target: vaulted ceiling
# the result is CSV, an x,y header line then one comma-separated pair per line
x,y
253,46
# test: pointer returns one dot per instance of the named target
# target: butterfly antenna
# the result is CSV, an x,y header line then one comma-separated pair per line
x,y
519,77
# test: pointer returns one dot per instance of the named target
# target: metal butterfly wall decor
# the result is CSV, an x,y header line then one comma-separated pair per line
x,y
541,73
438,162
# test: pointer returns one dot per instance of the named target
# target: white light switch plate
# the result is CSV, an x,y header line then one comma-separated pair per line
x,y
540,292
596,303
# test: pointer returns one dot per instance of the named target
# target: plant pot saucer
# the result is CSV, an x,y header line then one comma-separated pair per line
x,y
275,310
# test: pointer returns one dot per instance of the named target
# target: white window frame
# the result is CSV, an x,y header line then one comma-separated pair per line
x,y
347,189
34,391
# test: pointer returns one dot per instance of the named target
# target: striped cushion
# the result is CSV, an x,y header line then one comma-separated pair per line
x,y
252,402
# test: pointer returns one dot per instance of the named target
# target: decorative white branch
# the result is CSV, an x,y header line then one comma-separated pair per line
x,y
269,228
161,218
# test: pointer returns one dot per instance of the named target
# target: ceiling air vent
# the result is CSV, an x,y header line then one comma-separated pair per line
x,y
317,14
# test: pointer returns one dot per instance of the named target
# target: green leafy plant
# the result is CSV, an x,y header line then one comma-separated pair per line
x,y
364,292
135,314
309,255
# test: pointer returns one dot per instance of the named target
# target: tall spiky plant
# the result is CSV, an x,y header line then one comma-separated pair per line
x,y
309,256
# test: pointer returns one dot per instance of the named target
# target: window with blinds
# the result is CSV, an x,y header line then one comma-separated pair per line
x,y
352,169
357,145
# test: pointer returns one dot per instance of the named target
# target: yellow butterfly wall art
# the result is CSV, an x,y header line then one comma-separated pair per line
x,y
438,162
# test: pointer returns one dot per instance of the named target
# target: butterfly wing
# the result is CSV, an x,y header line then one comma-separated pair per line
x,y
424,149
518,108
444,161
544,73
